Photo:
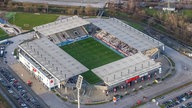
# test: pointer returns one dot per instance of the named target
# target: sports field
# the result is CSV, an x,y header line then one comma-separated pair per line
x,y
91,54
29,20
3,35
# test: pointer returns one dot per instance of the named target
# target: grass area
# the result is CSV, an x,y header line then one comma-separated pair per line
x,y
3,35
172,62
64,99
29,20
125,18
135,25
187,13
92,54
150,12
160,27
91,77
161,106
4,103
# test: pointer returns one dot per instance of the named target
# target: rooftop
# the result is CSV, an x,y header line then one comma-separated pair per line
x,y
126,33
121,70
56,61
61,25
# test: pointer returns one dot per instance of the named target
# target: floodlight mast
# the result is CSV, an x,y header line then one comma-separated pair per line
x,y
78,86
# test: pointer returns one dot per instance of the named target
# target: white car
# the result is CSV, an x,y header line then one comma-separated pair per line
x,y
184,99
10,91
23,105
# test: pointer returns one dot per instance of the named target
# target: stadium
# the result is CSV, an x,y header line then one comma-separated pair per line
x,y
104,51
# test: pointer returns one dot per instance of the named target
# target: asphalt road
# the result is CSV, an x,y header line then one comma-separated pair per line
x,y
10,48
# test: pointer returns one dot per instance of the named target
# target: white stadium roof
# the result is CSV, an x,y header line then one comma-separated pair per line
x,y
126,33
123,69
56,61
61,25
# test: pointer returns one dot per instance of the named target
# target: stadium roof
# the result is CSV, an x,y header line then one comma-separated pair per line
x,y
126,68
61,25
92,3
126,33
56,61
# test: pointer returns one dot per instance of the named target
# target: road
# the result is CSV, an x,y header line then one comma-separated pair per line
x,y
10,48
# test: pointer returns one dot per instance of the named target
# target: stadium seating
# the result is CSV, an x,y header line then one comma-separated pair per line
x,y
116,43
74,33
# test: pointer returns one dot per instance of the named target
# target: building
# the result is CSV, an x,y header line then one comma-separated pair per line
x,y
53,66
139,49
132,68
137,40
45,60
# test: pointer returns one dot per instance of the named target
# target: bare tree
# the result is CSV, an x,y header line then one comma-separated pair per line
x,y
90,10
131,5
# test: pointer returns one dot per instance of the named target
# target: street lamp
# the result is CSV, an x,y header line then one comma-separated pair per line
x,y
78,86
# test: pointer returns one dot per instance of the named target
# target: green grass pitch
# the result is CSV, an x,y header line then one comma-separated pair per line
x,y
29,20
3,35
91,54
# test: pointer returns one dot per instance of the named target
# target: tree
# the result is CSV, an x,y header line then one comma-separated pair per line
x,y
131,6
90,10
70,11
2,15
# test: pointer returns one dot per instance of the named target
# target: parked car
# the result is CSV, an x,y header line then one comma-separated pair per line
x,y
10,91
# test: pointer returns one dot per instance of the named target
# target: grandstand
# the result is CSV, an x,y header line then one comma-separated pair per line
x,y
43,56
127,34
63,31
119,71
61,25
100,52
116,43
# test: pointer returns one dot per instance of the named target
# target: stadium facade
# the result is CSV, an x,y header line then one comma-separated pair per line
x,y
53,66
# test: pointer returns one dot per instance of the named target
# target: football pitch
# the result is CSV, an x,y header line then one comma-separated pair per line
x,y
91,54
29,20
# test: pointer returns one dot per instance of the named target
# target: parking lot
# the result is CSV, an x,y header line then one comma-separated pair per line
x,y
182,100
17,91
